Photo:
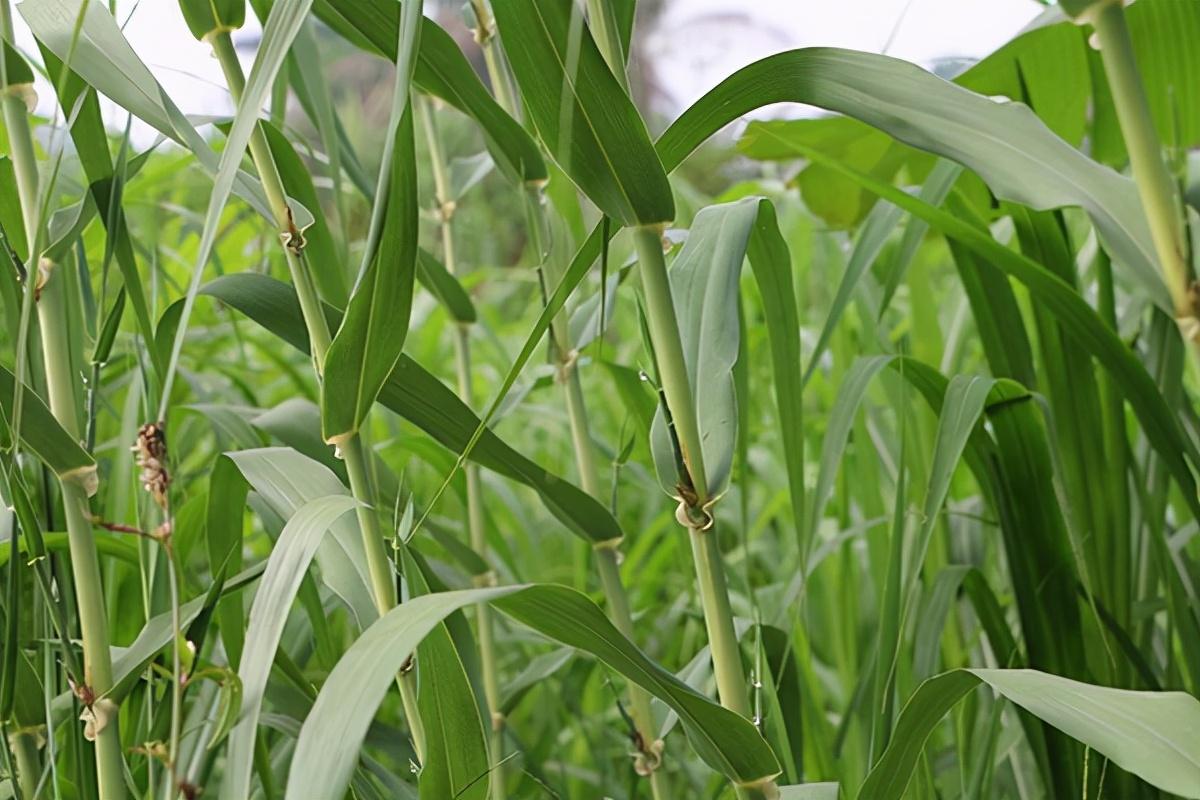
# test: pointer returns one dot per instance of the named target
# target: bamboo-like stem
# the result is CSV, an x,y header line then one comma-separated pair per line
x,y
693,510
485,35
475,522
1159,196
85,562
383,587
607,557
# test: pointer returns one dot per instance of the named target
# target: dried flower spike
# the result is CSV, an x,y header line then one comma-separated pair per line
x,y
151,449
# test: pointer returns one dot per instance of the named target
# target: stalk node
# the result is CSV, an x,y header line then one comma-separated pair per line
x,y
648,758
485,579
693,517
45,268
292,238
96,716
446,210
498,720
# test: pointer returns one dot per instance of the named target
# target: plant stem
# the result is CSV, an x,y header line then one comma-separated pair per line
x,y
383,587
693,510
85,563
475,521
485,35
1158,192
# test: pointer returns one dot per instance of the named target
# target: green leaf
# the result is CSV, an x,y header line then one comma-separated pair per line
x,y
371,337
1154,735
333,732
1004,142
455,748
17,72
441,70
289,560
421,398
286,480
588,123
704,286
445,287
45,438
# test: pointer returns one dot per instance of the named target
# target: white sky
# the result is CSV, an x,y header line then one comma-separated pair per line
x,y
698,44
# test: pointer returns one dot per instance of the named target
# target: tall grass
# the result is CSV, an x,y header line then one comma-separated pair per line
x,y
861,460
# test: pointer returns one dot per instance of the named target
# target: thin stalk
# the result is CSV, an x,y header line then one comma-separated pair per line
x,y
1158,192
85,564
607,557
383,587
493,57
475,522
694,507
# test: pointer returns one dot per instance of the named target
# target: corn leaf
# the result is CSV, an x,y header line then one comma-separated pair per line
x,y
369,341
333,732
289,561
418,396
1155,735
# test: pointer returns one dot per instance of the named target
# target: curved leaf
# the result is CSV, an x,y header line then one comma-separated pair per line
x,y
1004,142
1154,735
421,398
289,560
333,732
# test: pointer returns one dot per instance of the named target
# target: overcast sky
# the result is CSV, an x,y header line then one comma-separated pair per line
x,y
698,43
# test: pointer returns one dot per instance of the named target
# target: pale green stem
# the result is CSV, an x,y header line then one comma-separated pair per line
x,y
383,587
85,563
668,353
485,35
475,521
694,512
1158,192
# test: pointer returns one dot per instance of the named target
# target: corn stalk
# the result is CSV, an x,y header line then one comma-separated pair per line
x,y
383,586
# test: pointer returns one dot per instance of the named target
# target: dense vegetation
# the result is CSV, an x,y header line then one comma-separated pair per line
x,y
448,450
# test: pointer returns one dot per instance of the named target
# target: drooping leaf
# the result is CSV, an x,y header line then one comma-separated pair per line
x,y
333,732
289,560
1004,142
415,394
1155,735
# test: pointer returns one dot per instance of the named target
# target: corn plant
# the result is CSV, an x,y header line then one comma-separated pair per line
x,y
296,504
